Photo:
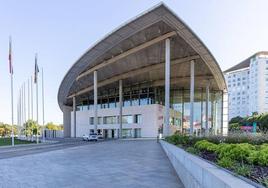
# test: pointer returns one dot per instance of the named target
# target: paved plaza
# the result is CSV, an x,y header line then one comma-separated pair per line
x,y
105,164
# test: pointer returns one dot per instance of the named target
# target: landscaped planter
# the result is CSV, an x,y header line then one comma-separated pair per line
x,y
196,172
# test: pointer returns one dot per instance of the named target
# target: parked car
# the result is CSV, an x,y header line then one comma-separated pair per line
x,y
93,137
100,136
85,137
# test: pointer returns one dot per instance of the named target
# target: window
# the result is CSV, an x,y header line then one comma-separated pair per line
x,y
126,101
112,103
91,120
135,100
143,99
137,118
109,120
127,119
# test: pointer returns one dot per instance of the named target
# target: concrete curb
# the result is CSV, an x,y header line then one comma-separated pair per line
x,y
195,172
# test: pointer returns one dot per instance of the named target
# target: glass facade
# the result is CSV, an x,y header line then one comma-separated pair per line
x,y
179,103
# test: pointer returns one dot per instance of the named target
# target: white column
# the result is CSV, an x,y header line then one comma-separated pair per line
x,y
74,115
67,120
207,103
167,88
120,107
192,99
216,117
95,101
225,113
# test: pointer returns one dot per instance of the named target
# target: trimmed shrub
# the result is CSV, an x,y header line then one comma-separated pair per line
x,y
263,157
253,157
182,140
239,152
225,162
243,170
192,150
206,145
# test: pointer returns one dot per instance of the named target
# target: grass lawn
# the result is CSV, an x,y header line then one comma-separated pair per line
x,y
7,141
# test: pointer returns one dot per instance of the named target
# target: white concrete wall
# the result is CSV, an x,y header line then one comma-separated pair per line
x,y
150,120
197,173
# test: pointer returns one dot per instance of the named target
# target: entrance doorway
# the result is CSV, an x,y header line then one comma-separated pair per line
x,y
112,133
105,135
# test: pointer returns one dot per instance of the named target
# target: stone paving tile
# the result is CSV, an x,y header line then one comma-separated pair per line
x,y
113,164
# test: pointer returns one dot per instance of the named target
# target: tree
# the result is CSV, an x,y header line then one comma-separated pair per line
x,y
52,126
263,122
234,127
31,128
6,129
236,119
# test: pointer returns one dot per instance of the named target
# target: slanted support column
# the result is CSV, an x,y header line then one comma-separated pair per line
x,y
192,99
167,89
120,107
74,116
95,101
207,103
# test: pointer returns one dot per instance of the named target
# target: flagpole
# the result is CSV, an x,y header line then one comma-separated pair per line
x,y
24,103
22,121
12,112
18,121
32,96
43,105
36,82
20,108
28,99
11,85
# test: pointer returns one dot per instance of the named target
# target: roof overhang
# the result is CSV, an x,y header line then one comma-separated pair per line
x,y
113,50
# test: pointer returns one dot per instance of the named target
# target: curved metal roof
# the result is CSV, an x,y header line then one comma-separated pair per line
x,y
147,27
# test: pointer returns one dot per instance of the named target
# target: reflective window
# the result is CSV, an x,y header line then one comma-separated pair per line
x,y
143,99
137,118
135,100
126,101
109,120
127,119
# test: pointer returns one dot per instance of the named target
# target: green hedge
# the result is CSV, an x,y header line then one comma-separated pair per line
x,y
228,149
242,153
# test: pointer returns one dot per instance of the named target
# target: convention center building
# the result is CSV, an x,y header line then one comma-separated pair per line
x,y
152,75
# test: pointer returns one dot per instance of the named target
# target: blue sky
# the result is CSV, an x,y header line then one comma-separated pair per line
x,y
60,31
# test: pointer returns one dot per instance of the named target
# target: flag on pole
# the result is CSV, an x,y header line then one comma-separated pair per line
x,y
36,70
11,88
10,57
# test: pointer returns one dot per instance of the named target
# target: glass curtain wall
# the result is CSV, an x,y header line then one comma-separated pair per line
x,y
179,104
